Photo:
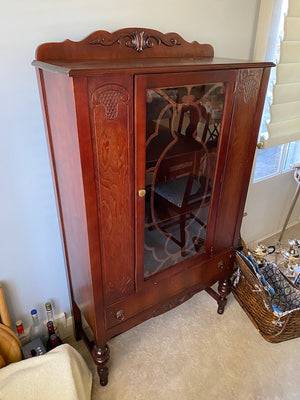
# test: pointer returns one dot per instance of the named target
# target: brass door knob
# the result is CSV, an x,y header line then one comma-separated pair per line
x,y
142,192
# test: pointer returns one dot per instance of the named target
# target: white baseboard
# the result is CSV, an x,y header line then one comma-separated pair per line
x,y
277,233
65,325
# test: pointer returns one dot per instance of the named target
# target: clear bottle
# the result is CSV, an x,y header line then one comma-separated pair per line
x,y
51,332
37,329
24,339
50,316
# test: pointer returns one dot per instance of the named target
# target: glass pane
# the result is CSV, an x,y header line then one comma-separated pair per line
x,y
267,162
182,130
293,155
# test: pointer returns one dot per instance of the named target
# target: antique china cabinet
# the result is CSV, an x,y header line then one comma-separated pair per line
x,y
151,141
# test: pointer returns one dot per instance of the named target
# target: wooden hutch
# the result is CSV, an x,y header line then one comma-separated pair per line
x,y
151,141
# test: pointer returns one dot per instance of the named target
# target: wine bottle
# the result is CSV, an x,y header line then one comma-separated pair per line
x,y
50,316
51,332
55,341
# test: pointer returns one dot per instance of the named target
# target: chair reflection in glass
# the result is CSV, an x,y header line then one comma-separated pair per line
x,y
183,187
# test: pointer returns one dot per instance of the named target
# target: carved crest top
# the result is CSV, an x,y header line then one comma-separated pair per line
x,y
128,43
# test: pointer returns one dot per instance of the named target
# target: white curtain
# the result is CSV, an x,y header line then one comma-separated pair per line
x,y
284,126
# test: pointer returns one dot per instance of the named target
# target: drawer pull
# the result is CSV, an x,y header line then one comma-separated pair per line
x,y
120,315
220,264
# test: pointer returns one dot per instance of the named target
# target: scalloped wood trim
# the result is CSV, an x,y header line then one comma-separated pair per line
x,y
125,43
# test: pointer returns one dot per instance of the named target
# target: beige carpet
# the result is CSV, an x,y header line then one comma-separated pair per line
x,y
192,353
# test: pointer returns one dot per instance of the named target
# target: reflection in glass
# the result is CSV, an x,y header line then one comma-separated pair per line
x,y
182,134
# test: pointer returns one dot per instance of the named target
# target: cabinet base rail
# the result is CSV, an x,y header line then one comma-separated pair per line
x,y
101,355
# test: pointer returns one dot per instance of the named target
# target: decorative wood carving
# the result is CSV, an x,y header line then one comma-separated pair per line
x,y
109,96
176,301
111,134
103,45
249,84
138,40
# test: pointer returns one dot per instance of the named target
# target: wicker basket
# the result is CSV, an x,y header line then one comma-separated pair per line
x,y
251,295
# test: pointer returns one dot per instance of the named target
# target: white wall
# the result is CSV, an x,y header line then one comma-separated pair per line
x,y
31,260
267,206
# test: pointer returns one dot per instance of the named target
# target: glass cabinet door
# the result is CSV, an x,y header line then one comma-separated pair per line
x,y
182,128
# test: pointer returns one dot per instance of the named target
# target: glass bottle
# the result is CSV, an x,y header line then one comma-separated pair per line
x,y
50,316
24,339
37,329
54,341
51,332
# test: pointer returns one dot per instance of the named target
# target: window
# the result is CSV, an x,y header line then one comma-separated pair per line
x,y
278,159
293,155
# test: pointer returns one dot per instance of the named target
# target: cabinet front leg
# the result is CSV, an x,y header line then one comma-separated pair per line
x,y
101,357
224,289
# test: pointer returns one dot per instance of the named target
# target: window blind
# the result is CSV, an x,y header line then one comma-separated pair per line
x,y
284,125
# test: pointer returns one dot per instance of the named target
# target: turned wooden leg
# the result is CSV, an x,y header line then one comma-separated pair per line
x,y
224,289
101,357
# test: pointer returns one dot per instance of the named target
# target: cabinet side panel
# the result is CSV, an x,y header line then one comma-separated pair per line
x,y
248,105
60,118
111,122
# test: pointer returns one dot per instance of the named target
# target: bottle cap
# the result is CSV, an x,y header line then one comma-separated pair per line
x,y
50,325
33,312
54,339
19,326
48,306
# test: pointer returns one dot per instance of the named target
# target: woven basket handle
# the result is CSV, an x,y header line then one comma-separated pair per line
x,y
283,325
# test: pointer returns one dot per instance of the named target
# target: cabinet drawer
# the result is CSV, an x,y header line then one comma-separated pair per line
x,y
159,296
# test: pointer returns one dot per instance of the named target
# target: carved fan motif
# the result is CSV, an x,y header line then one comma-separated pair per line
x,y
138,40
127,43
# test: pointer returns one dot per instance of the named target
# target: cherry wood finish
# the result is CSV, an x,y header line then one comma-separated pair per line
x,y
124,43
93,94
